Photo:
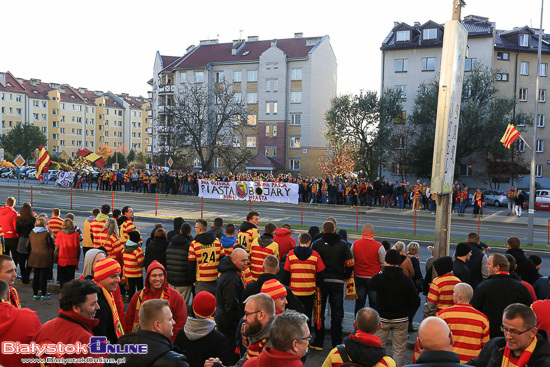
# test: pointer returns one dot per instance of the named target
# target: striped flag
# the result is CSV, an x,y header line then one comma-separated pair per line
x,y
43,161
509,136
92,157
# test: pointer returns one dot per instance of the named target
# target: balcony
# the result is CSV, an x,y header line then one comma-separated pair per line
x,y
167,89
149,113
149,130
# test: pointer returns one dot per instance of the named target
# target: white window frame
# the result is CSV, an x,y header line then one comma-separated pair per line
x,y
251,141
429,33
295,142
521,146
538,170
523,40
219,77
426,64
252,76
296,74
183,77
540,146
199,76
294,164
196,162
295,119
542,95
502,77
296,97
543,69
525,93
505,56
402,89
252,120
251,97
236,141
401,65
237,76
541,120
403,36
470,64
524,68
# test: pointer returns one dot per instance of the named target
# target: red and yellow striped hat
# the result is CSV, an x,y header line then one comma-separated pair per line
x,y
274,288
104,268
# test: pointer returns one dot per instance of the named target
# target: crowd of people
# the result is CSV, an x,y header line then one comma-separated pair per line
x,y
249,296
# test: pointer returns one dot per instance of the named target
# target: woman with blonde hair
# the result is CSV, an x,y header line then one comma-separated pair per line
x,y
67,252
406,264
112,243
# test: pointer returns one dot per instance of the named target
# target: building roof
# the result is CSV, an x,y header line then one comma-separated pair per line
x,y
209,52
134,102
261,162
68,94
12,84
509,40
36,89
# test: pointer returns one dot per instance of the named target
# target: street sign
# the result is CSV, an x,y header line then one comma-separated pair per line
x,y
19,161
170,162
1,154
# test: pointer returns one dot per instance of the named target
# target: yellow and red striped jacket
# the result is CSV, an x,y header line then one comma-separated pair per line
x,y
334,359
55,224
113,246
133,263
99,236
303,273
441,290
258,254
207,257
126,227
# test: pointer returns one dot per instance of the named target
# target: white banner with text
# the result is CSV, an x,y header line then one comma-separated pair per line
x,y
65,179
278,192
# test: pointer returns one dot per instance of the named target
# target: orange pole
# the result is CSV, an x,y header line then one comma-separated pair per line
x,y
357,218
415,222
250,202
113,200
302,216
202,199
156,203
31,197
71,199
479,225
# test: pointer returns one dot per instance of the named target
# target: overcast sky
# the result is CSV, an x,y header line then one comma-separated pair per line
x,y
111,45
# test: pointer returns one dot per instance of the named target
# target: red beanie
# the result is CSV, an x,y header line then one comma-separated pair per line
x,y
204,304
274,288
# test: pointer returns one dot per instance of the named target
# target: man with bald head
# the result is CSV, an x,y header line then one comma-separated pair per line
x,y
435,341
369,260
229,292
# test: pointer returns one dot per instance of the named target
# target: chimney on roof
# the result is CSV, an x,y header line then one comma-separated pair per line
x,y
98,93
34,82
20,80
237,45
298,35
209,42
54,85
476,18
395,24
253,38
417,24
3,79
189,48
82,90
273,42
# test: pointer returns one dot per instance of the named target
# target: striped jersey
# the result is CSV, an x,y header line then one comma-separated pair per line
x,y
99,236
207,258
303,273
113,246
258,255
133,263
55,224
441,291
470,330
246,276
245,238
126,227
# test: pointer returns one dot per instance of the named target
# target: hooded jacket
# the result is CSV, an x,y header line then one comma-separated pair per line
x,y
205,246
177,226
67,248
228,294
16,324
396,293
336,256
284,238
270,357
8,220
177,304
248,232
41,244
199,340
177,263
160,351
262,247
156,250
526,269
228,244
363,349
303,271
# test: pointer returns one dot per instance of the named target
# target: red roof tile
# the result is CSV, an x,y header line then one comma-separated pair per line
x,y
41,89
12,85
68,94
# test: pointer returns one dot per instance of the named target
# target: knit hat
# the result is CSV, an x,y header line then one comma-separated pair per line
x,y
443,265
204,304
462,249
104,268
393,257
536,259
274,288
134,236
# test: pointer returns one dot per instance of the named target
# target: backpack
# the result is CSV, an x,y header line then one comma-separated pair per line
x,y
345,357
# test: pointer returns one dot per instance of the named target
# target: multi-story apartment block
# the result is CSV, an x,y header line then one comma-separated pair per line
x,y
411,55
287,85
74,118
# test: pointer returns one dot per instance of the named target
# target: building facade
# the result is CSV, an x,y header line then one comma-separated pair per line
x,y
411,55
286,85
74,118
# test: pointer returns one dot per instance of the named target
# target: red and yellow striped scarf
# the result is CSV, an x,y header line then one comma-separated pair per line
x,y
14,298
508,360
116,318
255,349
164,295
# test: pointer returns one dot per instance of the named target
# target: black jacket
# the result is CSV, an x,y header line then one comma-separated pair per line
x,y
396,293
462,271
335,253
493,295
475,263
438,358
177,263
491,354
256,287
229,292
160,351
362,354
105,327
525,268
542,287
156,250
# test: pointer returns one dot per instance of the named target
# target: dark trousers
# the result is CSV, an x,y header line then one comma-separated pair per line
x,y
307,301
65,274
134,285
334,292
40,280
11,249
23,266
362,289
231,337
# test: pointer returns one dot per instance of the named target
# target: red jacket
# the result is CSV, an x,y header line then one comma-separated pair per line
x,y
16,324
68,332
67,248
273,358
177,304
284,238
8,218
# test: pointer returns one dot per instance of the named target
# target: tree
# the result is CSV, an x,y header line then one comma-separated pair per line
x,y
131,155
105,151
363,123
201,119
23,139
484,117
340,161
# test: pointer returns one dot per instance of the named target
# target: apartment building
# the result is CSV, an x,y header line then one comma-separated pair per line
x,y
286,84
74,118
411,55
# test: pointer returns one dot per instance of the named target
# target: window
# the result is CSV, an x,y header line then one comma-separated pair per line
x,y
55,124
196,162
403,36
538,170
62,130
540,146
540,120
524,40
470,64
401,65
295,142
295,119
295,74
465,169
62,143
252,97
523,94
44,129
252,76
55,111
18,98
401,119
543,70
503,56
502,77
295,97
268,107
272,85
106,134
44,104
521,146
429,34
237,77
251,142
55,136
294,164
35,116
270,151
238,97
524,68
252,119
428,63
236,142
271,107
199,77
271,130
44,117
183,78
100,127
542,95
35,103
219,77
402,89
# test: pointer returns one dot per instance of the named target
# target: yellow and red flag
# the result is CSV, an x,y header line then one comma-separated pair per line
x,y
43,161
92,157
509,136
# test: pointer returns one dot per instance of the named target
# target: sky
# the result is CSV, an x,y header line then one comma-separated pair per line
x,y
111,45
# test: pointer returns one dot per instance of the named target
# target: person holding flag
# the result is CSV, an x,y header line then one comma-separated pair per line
x,y
42,165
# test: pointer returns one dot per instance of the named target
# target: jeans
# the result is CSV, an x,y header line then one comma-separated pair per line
x,y
511,207
335,294
401,201
399,332
362,289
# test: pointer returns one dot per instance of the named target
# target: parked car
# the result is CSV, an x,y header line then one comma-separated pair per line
x,y
53,174
24,171
495,197
542,199
9,173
